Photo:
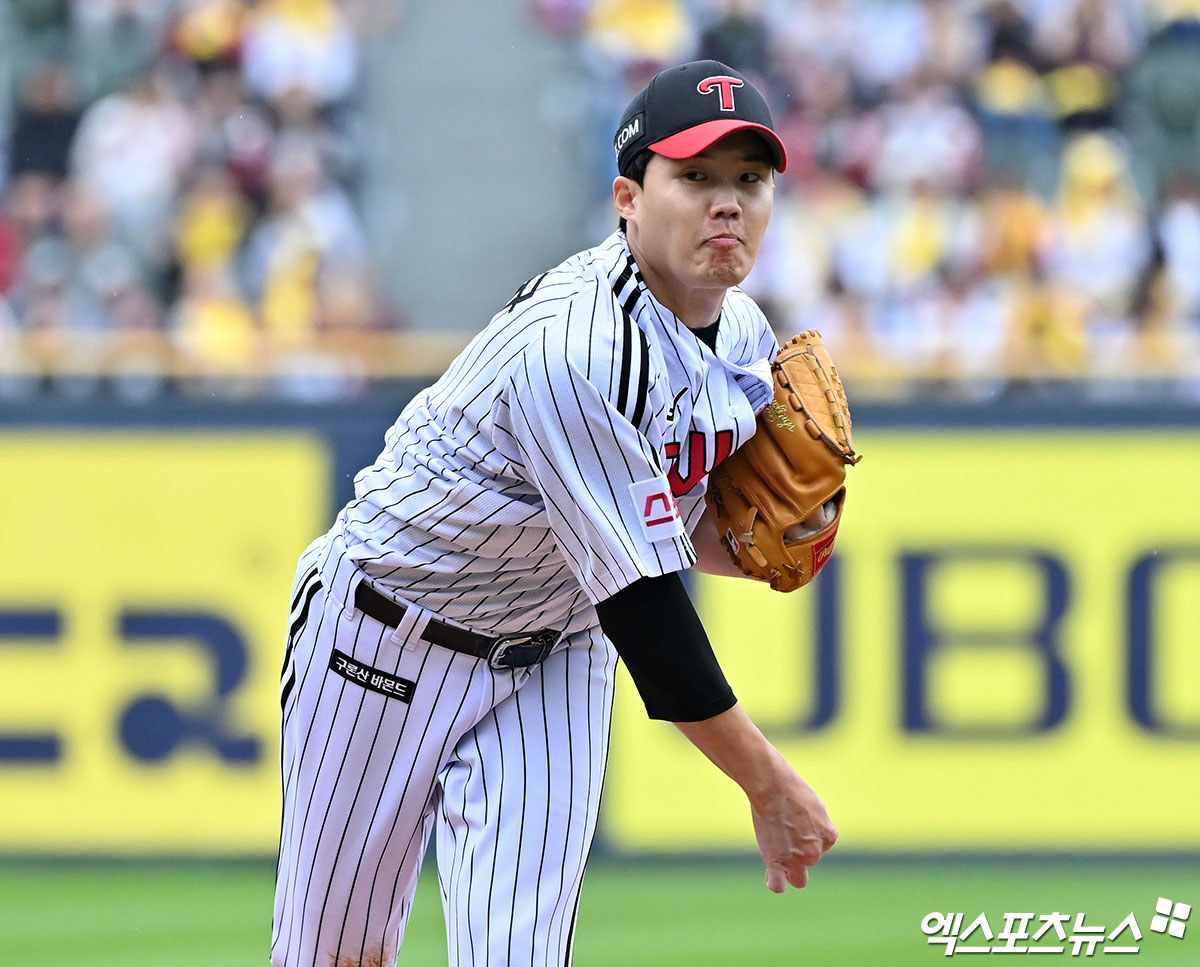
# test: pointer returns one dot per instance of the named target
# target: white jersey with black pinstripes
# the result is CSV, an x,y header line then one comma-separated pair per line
x,y
560,458
520,487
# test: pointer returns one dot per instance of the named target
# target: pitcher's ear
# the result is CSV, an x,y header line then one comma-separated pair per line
x,y
626,193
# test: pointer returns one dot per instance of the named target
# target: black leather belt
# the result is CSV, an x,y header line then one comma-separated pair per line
x,y
506,651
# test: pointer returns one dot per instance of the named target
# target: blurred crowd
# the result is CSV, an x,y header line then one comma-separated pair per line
x,y
983,196
181,178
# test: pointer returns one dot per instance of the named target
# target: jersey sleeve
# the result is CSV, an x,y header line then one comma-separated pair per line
x,y
581,407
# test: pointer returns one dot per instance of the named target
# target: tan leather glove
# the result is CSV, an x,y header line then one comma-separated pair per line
x,y
777,500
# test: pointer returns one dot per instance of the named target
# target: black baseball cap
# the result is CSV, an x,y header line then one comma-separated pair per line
x,y
685,109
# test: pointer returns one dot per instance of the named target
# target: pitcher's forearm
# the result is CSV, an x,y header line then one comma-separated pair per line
x,y
736,746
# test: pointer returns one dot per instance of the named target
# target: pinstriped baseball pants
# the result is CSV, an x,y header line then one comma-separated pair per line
x,y
506,765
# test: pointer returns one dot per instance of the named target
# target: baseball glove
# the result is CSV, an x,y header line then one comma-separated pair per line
x,y
777,500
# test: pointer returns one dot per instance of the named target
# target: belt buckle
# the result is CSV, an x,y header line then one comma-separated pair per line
x,y
521,651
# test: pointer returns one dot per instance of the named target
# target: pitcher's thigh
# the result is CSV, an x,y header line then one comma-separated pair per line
x,y
359,772
518,812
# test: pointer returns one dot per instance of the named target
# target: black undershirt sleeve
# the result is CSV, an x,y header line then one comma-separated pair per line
x,y
658,635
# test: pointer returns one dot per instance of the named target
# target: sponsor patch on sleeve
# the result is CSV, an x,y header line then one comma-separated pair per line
x,y
655,505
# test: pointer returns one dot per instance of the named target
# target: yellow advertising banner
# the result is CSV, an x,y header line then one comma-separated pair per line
x,y
144,583
1003,654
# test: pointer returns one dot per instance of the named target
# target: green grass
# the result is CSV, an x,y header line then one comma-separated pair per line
x,y
855,912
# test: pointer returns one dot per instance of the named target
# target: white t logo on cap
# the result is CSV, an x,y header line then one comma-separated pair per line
x,y
725,84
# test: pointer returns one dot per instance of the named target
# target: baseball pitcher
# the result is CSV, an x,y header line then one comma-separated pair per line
x,y
454,637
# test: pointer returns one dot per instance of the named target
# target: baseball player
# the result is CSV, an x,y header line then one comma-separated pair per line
x,y
454,637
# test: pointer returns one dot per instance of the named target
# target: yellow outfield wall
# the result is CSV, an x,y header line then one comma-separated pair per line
x,y
1005,656
144,584
1002,654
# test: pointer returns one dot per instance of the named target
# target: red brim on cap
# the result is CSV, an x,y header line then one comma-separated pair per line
x,y
687,144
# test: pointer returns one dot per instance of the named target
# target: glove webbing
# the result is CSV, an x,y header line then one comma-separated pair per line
x,y
837,408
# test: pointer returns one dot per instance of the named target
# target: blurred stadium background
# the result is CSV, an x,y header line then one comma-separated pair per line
x,y
236,236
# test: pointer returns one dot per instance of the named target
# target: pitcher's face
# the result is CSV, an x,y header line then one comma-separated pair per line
x,y
697,223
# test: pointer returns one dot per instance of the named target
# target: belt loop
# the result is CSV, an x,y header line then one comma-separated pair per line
x,y
406,633
349,608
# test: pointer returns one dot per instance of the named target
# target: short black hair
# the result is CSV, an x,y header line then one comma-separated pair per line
x,y
636,170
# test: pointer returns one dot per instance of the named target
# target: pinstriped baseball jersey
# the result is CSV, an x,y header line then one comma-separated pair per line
x,y
563,455
446,675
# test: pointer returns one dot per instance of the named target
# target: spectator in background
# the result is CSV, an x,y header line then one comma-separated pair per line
x,y
44,124
821,30
1021,139
932,235
561,18
214,329
134,148
12,359
216,332
212,220
1166,305
926,135
33,206
335,140
1086,44
208,33
622,44
77,282
1047,345
924,232
309,231
1098,243
639,33
40,29
890,43
95,266
10,254
1162,105
15,380
817,120
956,43
975,325
1178,240
304,46
37,162
1013,222
301,59
738,37
235,133
114,42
